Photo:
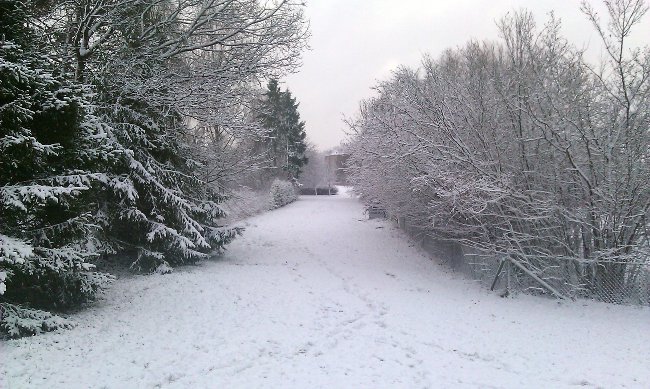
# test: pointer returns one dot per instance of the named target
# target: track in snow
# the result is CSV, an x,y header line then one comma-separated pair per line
x,y
313,295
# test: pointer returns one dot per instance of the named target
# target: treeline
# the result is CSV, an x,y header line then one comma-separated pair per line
x,y
120,121
522,149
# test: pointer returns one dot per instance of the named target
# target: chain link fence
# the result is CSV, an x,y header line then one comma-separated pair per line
x,y
609,281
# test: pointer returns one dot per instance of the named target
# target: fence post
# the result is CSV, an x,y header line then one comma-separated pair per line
x,y
536,278
507,278
496,277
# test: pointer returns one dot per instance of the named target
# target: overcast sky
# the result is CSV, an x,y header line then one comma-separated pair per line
x,y
355,43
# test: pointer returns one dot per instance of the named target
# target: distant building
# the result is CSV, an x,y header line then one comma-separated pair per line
x,y
337,168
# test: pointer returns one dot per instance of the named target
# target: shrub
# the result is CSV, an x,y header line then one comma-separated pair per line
x,y
327,191
320,191
17,321
282,193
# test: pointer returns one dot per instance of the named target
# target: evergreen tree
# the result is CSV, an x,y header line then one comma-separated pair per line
x,y
271,119
296,137
168,215
285,131
157,208
51,151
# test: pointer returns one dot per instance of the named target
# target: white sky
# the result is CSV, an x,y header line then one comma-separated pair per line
x,y
355,43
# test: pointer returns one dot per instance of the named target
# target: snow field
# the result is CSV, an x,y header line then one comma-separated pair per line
x,y
315,296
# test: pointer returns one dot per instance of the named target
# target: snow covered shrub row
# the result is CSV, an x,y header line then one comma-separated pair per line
x,y
282,193
244,202
517,148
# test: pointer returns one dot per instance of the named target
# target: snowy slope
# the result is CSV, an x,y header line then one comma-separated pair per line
x,y
315,296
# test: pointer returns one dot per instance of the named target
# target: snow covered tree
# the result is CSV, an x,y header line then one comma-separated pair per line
x,y
270,117
52,150
521,149
100,148
285,131
158,66
169,215
296,137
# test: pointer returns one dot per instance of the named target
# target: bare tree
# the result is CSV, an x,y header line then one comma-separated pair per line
x,y
521,149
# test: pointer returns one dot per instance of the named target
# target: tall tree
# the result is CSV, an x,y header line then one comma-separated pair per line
x,y
286,135
52,154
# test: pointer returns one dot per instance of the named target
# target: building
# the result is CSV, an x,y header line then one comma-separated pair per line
x,y
337,169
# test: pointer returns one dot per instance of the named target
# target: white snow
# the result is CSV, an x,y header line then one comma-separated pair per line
x,y
315,296
14,250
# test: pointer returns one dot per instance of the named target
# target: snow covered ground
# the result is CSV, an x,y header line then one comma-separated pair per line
x,y
313,295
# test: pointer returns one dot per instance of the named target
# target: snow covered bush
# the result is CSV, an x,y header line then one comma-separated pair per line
x,y
16,321
164,268
282,193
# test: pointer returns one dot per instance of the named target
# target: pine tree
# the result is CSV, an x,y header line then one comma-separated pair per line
x,y
296,137
270,117
285,131
169,216
51,151
158,210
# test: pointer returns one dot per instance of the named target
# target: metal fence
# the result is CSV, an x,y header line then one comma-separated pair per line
x,y
608,281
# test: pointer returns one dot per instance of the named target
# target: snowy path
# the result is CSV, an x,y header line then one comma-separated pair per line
x,y
311,296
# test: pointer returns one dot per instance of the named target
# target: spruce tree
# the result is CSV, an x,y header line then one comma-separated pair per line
x,y
296,137
285,131
158,211
52,150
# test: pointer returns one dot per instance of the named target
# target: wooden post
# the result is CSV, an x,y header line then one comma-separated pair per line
x,y
508,278
536,278
496,277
